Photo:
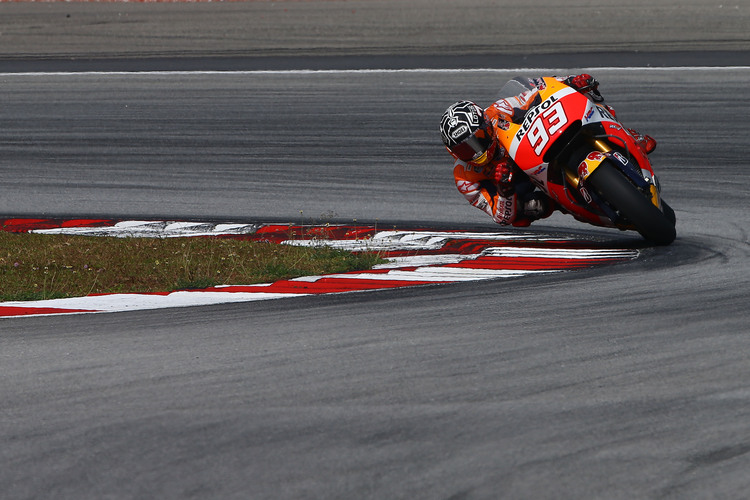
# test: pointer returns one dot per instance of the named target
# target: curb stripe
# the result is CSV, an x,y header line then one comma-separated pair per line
x,y
416,258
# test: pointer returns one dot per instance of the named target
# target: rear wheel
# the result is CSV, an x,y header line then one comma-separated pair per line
x,y
633,205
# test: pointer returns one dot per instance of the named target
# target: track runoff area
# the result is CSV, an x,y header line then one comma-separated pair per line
x,y
415,257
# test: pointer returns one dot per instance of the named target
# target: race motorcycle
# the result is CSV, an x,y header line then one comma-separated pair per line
x,y
578,153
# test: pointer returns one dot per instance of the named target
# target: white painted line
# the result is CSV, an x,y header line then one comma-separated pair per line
x,y
566,253
365,71
445,274
151,229
424,260
137,302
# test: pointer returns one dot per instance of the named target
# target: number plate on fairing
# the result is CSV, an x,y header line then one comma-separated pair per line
x,y
541,126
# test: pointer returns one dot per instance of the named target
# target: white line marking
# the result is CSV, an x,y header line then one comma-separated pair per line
x,y
348,71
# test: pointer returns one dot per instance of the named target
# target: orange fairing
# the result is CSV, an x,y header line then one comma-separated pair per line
x,y
528,140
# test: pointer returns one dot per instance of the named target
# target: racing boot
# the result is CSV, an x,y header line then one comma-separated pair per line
x,y
534,206
645,142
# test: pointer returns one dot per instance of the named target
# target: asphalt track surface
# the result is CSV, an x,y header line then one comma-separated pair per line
x,y
624,382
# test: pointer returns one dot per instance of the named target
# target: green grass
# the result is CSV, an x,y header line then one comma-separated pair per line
x,y
36,266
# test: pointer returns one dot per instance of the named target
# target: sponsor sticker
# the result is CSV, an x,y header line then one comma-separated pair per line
x,y
620,158
460,131
583,170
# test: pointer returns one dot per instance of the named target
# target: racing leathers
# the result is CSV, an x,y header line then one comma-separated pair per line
x,y
499,188
507,202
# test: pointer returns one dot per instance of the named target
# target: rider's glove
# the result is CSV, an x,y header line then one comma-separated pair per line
x,y
585,84
582,83
503,177
503,173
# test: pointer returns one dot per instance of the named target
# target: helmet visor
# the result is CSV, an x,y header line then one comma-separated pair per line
x,y
476,145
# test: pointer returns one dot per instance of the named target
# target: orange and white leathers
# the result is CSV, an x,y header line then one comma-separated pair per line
x,y
477,183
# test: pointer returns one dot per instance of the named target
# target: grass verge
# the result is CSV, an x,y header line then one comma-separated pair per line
x,y
36,266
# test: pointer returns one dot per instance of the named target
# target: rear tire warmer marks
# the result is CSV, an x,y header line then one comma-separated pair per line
x,y
415,257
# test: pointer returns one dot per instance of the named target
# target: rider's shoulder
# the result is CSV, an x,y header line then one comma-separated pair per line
x,y
501,109
459,167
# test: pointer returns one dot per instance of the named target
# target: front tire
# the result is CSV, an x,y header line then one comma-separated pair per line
x,y
633,205
668,212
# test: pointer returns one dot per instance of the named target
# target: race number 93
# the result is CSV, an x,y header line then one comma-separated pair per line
x,y
545,126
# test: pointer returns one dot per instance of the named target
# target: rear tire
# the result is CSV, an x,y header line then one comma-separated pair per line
x,y
621,194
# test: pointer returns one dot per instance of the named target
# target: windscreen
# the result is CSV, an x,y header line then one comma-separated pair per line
x,y
516,86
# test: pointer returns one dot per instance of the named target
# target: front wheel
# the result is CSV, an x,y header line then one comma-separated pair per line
x,y
668,212
633,205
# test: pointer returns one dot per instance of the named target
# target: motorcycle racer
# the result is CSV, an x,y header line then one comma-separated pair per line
x,y
484,172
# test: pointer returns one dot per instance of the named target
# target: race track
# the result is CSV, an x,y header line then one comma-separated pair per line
x,y
629,381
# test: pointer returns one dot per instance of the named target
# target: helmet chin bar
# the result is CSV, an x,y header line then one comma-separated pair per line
x,y
487,156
